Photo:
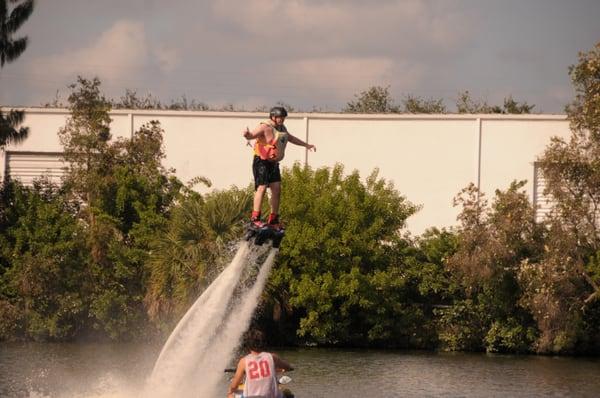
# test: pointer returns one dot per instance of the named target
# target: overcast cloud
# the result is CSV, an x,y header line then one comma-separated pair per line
x,y
307,53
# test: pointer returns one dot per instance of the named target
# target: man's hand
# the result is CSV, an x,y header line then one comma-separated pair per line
x,y
311,147
246,133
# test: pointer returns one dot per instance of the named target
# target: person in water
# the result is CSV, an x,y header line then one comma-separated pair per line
x,y
259,369
269,149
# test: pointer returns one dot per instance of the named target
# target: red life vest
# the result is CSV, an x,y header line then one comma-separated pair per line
x,y
275,149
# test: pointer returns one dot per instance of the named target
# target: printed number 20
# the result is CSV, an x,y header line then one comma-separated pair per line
x,y
258,369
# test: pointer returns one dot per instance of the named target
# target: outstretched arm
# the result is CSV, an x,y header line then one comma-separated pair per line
x,y
295,140
237,378
259,131
281,364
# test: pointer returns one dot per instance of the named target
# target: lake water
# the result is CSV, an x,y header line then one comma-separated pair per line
x,y
102,370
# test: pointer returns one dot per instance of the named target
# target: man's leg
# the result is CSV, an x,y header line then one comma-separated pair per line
x,y
259,170
258,198
275,188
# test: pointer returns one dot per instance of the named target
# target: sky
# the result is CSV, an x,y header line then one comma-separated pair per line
x,y
310,54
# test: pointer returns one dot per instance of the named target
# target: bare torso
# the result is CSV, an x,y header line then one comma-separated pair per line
x,y
268,134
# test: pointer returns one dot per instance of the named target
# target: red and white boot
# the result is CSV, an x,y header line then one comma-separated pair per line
x,y
273,221
255,221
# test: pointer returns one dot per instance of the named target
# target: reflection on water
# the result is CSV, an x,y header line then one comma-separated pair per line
x,y
96,370
347,373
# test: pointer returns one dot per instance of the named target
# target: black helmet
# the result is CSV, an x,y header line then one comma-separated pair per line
x,y
278,111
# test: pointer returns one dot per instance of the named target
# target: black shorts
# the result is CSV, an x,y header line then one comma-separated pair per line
x,y
265,172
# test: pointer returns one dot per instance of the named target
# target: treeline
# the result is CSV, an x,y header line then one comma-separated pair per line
x,y
122,248
375,99
378,99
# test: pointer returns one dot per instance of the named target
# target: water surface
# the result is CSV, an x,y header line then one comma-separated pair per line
x,y
353,373
120,371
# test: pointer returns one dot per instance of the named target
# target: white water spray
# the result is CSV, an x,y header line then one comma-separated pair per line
x,y
219,356
191,362
192,334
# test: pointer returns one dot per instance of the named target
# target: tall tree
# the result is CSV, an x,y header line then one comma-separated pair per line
x,y
85,139
492,243
565,285
11,131
337,269
374,100
191,251
466,104
584,111
413,104
124,196
44,278
10,49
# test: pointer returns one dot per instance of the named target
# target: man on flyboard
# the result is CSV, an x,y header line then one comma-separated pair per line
x,y
269,149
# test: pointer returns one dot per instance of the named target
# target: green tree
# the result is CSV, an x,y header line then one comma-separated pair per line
x,y
85,140
413,104
513,107
131,100
10,49
10,21
45,278
493,241
10,132
584,111
124,196
194,105
142,194
431,274
376,99
191,251
339,239
466,104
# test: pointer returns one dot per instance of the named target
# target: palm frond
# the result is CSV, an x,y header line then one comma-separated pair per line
x,y
19,15
10,133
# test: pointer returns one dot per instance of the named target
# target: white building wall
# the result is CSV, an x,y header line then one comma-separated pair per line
x,y
429,158
510,147
212,145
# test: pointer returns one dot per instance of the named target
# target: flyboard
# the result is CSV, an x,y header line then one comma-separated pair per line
x,y
265,233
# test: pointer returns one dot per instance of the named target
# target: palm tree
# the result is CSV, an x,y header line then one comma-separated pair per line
x,y
192,251
9,23
223,214
9,130
10,49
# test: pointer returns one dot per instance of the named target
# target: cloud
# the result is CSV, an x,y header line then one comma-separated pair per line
x,y
168,58
344,26
274,18
117,54
338,78
450,30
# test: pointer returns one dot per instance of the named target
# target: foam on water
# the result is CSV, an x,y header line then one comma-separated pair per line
x,y
107,385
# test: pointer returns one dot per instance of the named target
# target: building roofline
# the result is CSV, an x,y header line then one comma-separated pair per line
x,y
303,115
